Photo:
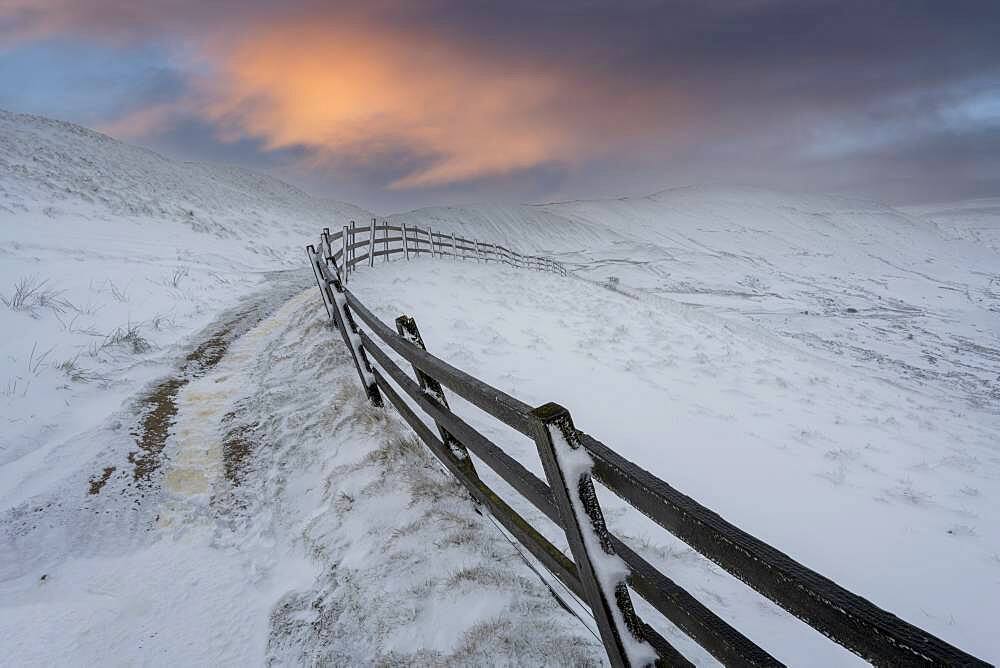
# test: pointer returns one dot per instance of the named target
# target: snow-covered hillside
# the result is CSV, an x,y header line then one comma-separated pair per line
x,y
889,290
190,474
976,220
824,371
892,491
110,255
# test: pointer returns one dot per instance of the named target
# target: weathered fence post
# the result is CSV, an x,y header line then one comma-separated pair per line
x,y
406,244
354,251
324,246
385,240
567,468
407,328
343,255
312,255
430,239
454,246
475,244
371,245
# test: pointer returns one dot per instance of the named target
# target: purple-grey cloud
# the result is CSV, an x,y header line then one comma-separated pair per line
x,y
564,98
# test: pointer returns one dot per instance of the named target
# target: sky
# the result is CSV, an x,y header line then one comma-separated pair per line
x,y
393,105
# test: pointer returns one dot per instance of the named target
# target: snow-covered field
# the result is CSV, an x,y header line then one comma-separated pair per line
x,y
189,472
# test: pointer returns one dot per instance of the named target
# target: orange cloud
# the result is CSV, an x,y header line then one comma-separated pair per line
x,y
348,86
347,90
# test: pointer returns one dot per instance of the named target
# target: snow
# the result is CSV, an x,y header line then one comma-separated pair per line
x,y
124,240
873,480
822,371
286,521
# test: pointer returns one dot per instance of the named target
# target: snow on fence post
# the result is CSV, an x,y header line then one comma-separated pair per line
x,y
430,239
406,245
325,246
454,246
343,255
407,328
602,573
371,245
324,242
385,240
475,244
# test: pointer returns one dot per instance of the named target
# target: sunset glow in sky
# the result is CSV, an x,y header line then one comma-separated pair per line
x,y
402,104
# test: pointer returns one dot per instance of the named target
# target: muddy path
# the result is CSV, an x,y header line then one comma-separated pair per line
x,y
111,504
157,406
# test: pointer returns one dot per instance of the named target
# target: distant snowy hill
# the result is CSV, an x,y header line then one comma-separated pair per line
x,y
915,293
60,169
976,220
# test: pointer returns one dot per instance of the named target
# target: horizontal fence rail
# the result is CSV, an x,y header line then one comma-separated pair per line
x,y
602,564
382,240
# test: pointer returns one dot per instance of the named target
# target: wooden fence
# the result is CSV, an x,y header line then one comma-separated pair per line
x,y
603,570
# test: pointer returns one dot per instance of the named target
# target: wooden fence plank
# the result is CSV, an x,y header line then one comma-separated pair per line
x,y
581,518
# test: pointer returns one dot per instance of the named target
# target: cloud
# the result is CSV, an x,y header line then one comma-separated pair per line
x,y
347,90
349,86
435,95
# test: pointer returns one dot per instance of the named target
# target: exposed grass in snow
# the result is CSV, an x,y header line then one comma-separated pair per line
x,y
125,338
31,295
78,373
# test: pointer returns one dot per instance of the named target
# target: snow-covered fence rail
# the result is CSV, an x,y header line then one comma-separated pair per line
x,y
603,570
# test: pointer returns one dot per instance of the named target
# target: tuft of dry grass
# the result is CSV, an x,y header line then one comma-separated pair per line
x,y
179,274
31,295
77,373
127,338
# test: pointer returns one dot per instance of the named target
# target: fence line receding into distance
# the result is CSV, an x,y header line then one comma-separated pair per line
x,y
603,571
